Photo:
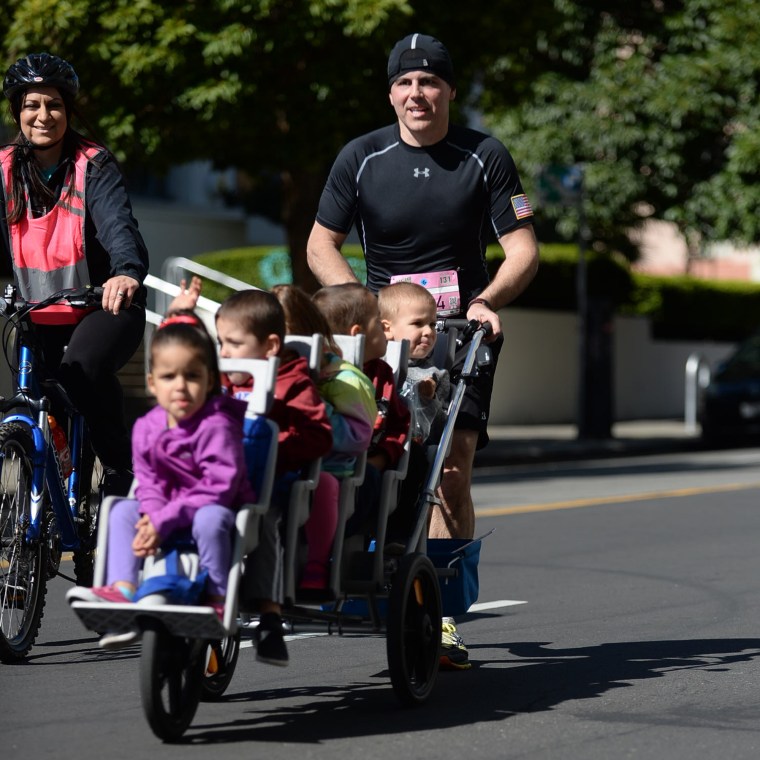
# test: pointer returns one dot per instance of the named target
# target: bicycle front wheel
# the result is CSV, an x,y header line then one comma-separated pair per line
x,y
23,563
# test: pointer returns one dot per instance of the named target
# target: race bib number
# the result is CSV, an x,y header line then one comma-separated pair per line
x,y
444,287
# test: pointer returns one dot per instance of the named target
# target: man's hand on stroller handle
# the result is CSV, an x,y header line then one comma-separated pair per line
x,y
466,327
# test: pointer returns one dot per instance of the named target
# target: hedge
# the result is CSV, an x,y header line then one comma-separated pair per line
x,y
680,308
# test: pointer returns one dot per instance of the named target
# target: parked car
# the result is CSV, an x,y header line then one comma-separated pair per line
x,y
730,403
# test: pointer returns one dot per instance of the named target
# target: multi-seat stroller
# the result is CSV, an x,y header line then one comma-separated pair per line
x,y
188,653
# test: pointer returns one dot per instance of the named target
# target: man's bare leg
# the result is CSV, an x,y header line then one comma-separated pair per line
x,y
455,518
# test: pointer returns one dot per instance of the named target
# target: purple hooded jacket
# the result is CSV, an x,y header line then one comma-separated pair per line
x,y
197,463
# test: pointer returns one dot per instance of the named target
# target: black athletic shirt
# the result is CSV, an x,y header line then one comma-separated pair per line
x,y
425,209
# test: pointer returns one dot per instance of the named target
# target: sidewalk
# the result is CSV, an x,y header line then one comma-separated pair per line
x,y
523,444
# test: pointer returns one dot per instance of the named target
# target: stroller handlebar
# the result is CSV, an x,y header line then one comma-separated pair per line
x,y
466,328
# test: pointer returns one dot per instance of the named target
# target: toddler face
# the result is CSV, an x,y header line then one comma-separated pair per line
x,y
180,381
415,322
237,343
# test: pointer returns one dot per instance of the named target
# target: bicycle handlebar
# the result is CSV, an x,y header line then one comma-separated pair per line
x,y
79,298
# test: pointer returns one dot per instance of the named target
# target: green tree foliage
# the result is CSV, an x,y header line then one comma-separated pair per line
x,y
273,88
259,85
659,102
169,79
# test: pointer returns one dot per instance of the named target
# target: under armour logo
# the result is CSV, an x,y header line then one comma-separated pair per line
x,y
422,172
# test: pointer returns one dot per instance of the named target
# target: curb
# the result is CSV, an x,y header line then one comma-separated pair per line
x,y
500,453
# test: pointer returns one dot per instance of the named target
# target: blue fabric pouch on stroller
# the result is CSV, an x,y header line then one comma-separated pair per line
x,y
174,585
460,586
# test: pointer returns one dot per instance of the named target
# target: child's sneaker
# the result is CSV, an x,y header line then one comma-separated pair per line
x,y
454,654
270,641
216,603
99,594
111,641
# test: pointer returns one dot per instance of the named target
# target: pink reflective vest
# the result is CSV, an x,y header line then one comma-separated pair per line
x,y
49,251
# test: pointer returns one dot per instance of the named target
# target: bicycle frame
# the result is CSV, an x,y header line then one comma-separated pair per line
x,y
64,497
42,513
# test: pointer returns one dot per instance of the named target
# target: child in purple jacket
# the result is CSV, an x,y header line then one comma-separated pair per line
x,y
189,465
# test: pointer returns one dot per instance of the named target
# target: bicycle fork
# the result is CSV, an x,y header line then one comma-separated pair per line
x,y
46,469
46,472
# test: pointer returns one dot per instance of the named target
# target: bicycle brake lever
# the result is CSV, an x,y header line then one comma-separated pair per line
x,y
86,296
8,297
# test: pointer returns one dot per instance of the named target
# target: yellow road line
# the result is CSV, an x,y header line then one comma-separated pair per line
x,y
591,502
551,506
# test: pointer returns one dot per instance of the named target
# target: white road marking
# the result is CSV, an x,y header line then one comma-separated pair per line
x,y
475,608
494,605
288,637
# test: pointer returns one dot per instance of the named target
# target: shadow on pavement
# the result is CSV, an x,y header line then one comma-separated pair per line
x,y
492,690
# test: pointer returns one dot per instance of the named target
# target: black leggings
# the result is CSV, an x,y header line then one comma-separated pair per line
x,y
95,350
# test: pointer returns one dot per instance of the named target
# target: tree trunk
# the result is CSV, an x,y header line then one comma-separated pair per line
x,y
301,191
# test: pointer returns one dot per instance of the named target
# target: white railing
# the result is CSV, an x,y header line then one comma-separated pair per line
x,y
177,268
166,287
162,290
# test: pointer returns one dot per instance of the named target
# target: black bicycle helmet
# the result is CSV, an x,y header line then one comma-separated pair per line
x,y
42,70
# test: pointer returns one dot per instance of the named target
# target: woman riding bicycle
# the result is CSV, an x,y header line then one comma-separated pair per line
x,y
66,221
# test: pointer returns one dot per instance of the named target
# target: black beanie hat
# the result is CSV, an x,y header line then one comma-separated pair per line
x,y
420,52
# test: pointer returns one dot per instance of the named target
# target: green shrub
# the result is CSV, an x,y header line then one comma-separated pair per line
x,y
261,266
680,308
685,308
555,286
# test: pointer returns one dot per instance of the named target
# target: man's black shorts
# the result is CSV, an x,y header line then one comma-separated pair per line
x,y
476,404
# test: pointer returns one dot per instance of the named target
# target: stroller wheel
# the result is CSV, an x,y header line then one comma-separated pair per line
x,y
221,658
414,629
171,672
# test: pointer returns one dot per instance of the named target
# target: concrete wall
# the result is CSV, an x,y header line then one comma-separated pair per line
x,y
537,376
170,230
649,374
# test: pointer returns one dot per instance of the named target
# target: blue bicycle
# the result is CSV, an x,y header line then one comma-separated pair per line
x,y
48,503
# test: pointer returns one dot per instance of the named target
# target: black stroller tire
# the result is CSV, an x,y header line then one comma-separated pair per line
x,y
413,637
171,673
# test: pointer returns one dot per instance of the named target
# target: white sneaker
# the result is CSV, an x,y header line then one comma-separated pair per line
x,y
118,640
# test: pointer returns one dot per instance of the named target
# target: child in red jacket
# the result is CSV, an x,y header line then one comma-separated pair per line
x,y
251,324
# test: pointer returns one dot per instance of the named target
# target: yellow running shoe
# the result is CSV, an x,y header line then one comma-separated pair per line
x,y
454,654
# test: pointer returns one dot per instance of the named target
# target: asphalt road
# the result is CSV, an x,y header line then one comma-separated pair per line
x,y
624,621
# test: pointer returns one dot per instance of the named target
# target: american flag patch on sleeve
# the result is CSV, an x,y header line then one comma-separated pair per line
x,y
521,205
